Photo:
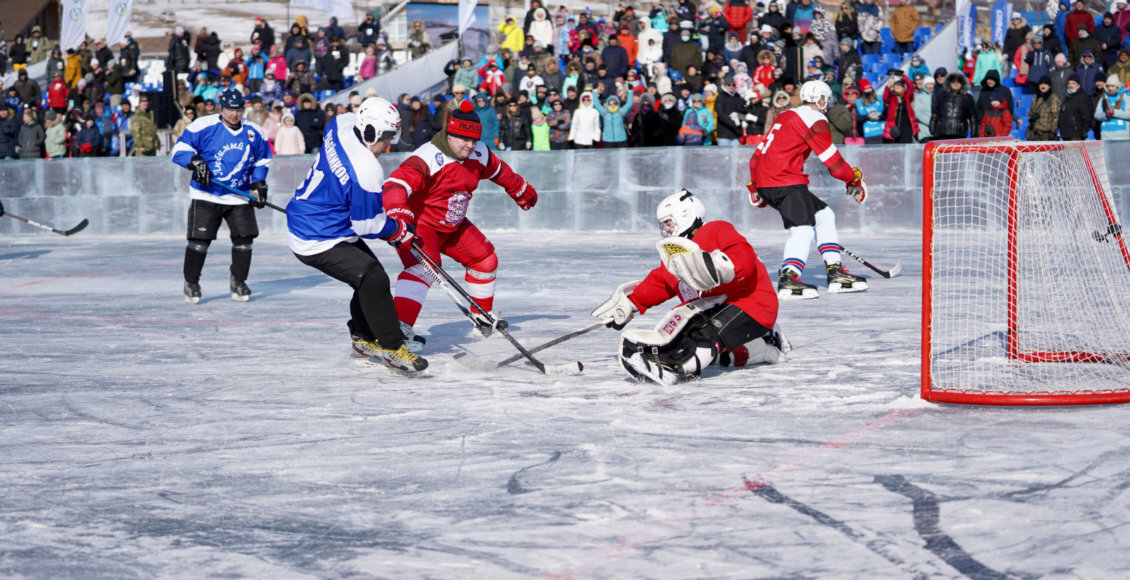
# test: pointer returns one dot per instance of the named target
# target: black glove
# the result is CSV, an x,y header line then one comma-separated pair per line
x,y
1,208
200,172
259,190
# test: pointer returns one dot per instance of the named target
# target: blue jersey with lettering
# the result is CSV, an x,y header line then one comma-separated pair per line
x,y
340,199
237,158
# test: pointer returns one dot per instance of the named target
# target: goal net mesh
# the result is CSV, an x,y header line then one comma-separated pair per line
x,y
1028,289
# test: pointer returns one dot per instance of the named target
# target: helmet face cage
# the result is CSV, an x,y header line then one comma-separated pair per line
x,y
679,214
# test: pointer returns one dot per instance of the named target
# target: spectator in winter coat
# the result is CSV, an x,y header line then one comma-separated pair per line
x,y
613,117
541,29
870,22
276,65
615,58
559,121
9,132
584,131
1121,67
56,136
1018,30
31,136
900,125
1112,111
88,142
1040,63
369,30
29,91
687,52
289,139
738,15
493,78
1089,71
1078,18
987,60
1076,116
923,105
1109,38
466,75
989,84
335,62
997,121
1084,43
1059,75
954,115
179,55
489,117
418,42
1043,116
904,22
512,36
514,129
264,34
302,81
311,121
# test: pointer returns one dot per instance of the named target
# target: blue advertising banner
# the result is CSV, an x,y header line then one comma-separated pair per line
x,y
999,17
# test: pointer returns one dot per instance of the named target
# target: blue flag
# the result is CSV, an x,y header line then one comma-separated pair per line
x,y
999,17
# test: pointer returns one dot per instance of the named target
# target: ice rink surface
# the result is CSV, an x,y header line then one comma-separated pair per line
x,y
142,437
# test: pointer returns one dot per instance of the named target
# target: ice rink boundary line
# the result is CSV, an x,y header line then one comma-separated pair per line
x,y
729,497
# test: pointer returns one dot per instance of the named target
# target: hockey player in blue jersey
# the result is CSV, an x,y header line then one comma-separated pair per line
x,y
226,149
339,203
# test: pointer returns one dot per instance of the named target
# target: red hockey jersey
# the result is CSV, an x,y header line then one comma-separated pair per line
x,y
437,188
752,289
779,160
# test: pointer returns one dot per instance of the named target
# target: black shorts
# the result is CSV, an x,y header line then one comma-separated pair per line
x,y
798,206
346,262
204,219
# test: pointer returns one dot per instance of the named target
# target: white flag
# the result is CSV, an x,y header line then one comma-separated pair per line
x,y
74,24
343,9
466,14
116,27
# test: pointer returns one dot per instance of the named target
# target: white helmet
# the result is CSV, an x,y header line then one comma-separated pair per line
x,y
813,91
377,120
680,214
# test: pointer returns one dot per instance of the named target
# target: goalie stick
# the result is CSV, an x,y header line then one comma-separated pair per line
x,y
884,273
552,342
247,195
456,292
81,225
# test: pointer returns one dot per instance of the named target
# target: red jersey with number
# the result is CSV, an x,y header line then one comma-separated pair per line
x,y
752,289
779,160
437,188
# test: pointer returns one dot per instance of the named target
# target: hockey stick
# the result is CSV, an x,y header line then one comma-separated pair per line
x,y
547,344
81,225
455,291
247,195
884,273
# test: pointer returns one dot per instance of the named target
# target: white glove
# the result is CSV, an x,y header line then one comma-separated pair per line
x,y
617,311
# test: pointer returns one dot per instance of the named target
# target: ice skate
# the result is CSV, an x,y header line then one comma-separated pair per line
x,y
414,341
239,290
790,286
840,281
400,359
483,326
191,292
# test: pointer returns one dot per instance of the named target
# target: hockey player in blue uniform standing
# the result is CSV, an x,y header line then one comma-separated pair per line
x,y
226,149
339,203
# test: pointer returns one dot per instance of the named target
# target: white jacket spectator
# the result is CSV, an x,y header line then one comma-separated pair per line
x,y
585,130
541,28
289,140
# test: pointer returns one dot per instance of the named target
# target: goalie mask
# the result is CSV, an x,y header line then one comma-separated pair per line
x,y
680,214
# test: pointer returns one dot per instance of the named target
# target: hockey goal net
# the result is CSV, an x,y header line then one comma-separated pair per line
x,y
1026,294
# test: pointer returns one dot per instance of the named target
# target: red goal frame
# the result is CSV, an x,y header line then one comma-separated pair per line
x,y
1013,351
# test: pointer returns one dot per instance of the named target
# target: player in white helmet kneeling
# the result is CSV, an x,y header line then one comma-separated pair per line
x,y
729,307
777,179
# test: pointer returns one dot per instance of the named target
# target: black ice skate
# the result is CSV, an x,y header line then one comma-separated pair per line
x,y
790,286
239,290
840,281
191,292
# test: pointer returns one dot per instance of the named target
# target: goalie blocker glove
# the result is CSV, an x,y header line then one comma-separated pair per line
x,y
856,188
200,172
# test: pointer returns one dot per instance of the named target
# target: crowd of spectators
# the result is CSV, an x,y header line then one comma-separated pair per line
x,y
691,72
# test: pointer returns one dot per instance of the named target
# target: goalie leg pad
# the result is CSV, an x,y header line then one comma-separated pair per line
x,y
678,348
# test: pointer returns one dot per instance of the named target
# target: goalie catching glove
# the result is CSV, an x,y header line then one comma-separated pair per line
x,y
690,264
618,310
856,188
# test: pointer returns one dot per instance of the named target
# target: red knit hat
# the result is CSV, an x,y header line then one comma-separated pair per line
x,y
465,123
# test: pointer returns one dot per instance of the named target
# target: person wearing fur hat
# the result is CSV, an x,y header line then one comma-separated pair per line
x,y
1113,111
954,114
432,190
1076,117
289,139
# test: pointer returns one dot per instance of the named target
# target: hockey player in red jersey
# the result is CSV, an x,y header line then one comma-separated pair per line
x,y
777,179
432,189
728,311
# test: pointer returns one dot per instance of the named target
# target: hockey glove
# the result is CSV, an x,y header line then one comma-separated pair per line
x,y
754,197
617,311
525,196
200,172
405,226
259,190
856,188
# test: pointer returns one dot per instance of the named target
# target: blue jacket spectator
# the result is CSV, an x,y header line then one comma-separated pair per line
x,y
615,58
612,114
9,132
489,118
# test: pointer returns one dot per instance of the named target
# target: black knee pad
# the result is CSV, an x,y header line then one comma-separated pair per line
x,y
241,244
199,245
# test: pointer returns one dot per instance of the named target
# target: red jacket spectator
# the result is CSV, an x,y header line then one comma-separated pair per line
x,y
57,94
738,14
997,121
629,43
1076,18
891,107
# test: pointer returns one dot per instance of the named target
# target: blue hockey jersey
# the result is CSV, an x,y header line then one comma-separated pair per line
x,y
340,199
236,158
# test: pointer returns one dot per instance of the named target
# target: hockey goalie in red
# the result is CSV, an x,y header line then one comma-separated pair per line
x,y
431,190
729,309
777,179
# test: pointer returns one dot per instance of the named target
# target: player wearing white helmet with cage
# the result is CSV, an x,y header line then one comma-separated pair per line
x,y
777,179
728,309
339,203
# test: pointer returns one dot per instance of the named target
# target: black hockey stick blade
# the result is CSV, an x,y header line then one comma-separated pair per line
x,y
247,195
455,292
69,232
546,344
884,273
